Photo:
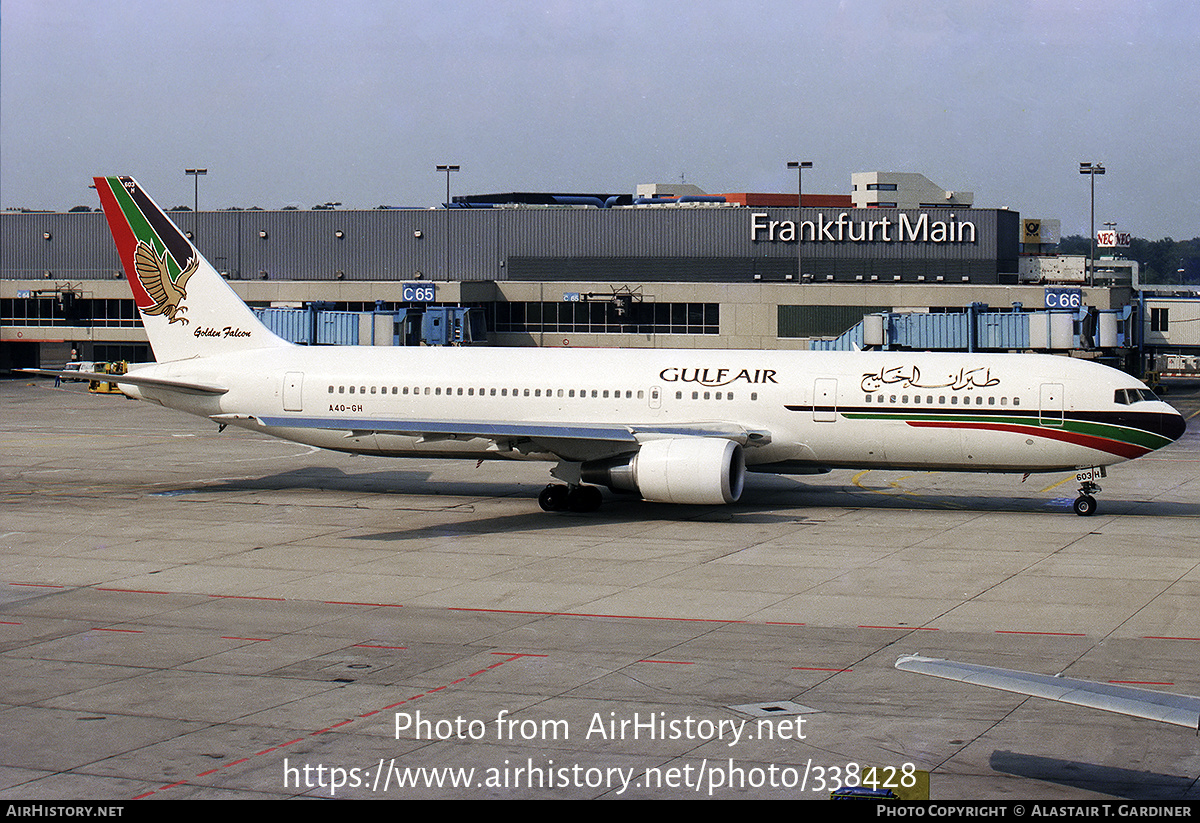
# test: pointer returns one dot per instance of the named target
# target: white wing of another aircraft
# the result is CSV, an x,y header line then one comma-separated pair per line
x,y
1176,709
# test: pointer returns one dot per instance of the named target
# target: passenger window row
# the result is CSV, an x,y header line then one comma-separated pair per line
x,y
699,395
941,399
471,391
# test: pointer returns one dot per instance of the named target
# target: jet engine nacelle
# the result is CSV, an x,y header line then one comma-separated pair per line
x,y
691,470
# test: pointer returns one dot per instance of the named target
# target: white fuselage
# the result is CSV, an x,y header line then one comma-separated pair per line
x,y
954,411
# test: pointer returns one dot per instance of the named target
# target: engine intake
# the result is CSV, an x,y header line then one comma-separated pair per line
x,y
691,470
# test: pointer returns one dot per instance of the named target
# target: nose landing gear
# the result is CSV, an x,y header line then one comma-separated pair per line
x,y
1085,504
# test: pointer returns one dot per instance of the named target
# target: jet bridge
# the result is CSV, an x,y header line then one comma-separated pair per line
x,y
979,328
318,324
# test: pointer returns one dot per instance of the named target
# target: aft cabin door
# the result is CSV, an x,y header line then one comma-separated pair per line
x,y
293,384
825,400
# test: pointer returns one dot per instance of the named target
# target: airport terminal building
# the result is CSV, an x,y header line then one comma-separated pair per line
x,y
668,268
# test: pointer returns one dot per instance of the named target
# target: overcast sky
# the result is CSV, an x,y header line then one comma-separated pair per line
x,y
298,103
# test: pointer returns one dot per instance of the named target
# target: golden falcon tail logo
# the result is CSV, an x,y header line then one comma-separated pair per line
x,y
167,294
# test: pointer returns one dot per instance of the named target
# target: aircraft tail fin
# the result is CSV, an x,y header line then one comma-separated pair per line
x,y
186,306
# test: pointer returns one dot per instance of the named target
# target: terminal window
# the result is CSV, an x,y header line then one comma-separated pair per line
x,y
607,317
1158,319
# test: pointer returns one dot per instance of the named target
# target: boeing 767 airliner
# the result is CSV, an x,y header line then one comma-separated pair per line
x,y
677,426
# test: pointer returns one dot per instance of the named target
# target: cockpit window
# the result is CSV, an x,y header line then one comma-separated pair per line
x,y
1127,397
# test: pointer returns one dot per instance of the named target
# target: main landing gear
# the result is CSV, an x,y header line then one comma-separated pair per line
x,y
1085,503
557,498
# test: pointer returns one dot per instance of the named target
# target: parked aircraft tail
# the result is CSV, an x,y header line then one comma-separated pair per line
x,y
187,307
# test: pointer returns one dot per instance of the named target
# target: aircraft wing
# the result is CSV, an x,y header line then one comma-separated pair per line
x,y
557,437
1176,709
184,386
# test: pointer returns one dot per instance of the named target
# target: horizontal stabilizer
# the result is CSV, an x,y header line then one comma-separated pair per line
x,y
1176,709
182,386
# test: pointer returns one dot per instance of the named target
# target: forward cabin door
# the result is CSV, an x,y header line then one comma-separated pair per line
x,y
1051,412
293,385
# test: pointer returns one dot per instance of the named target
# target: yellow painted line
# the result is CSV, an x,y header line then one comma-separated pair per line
x,y
895,484
1193,414
856,480
1066,479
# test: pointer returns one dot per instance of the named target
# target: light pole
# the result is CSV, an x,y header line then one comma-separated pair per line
x,y
799,166
1091,170
447,168
195,174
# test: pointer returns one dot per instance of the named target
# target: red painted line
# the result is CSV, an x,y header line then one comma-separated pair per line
x,y
1043,634
173,785
356,603
817,669
131,591
508,658
676,662
372,646
1153,637
500,611
331,728
587,614
127,631
9,623
903,628
144,796
515,655
260,639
